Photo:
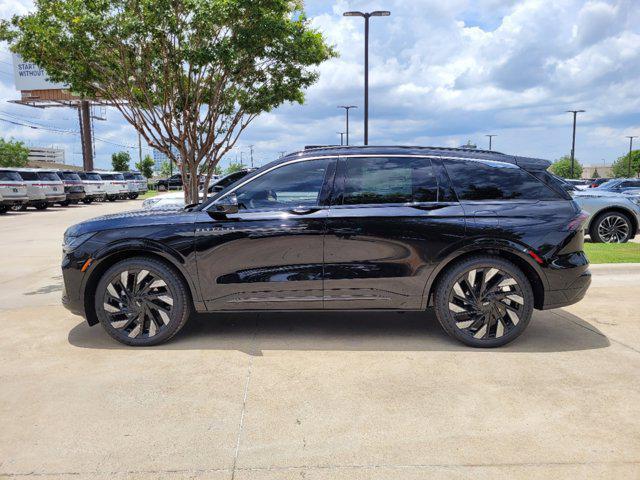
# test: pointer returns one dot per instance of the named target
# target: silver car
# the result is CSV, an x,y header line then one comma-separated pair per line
x,y
12,188
613,217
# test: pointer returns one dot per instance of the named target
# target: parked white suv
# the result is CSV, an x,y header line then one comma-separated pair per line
x,y
35,191
136,183
94,187
52,185
12,188
115,185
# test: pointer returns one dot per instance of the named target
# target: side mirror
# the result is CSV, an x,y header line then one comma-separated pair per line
x,y
227,205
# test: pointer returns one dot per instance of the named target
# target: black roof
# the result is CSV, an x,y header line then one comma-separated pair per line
x,y
463,153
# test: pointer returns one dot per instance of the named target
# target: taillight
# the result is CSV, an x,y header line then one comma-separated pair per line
x,y
577,221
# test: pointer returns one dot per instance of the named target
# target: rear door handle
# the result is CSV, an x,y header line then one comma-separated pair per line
x,y
303,210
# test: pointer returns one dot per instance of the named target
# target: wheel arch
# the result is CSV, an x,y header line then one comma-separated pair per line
x,y
536,278
112,256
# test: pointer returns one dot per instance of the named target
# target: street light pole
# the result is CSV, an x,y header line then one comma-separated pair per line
x,y
341,137
573,141
490,138
367,16
346,109
630,137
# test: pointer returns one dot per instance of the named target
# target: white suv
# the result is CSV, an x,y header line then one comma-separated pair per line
x,y
115,185
35,191
94,187
12,188
52,185
136,183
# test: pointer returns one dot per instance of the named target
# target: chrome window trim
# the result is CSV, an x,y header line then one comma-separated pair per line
x,y
369,155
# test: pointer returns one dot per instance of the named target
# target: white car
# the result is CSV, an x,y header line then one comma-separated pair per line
x,y
136,183
35,190
12,188
94,187
53,186
115,185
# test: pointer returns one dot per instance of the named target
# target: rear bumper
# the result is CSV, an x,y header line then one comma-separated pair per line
x,y
570,295
56,198
95,196
14,201
75,195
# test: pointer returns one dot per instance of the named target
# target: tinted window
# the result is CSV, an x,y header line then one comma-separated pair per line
x,y
474,180
128,176
10,176
29,176
138,176
388,180
48,176
287,186
111,176
608,184
82,175
93,176
70,176
229,179
631,184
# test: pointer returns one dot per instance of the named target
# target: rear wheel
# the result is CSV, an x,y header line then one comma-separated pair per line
x,y
42,206
133,196
19,208
611,227
484,301
142,302
65,203
111,198
3,209
87,201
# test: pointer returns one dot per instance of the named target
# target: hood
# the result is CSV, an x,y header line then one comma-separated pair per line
x,y
136,218
594,192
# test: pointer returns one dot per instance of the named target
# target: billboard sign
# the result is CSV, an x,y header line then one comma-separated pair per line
x,y
29,76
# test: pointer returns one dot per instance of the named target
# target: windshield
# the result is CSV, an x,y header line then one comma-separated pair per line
x,y
138,176
111,176
608,184
128,176
10,176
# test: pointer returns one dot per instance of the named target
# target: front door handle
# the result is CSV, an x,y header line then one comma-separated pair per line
x,y
303,210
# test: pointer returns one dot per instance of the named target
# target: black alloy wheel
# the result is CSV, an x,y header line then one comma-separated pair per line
x,y
611,227
484,301
142,302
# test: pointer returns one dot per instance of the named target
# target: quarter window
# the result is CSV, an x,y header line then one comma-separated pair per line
x,y
296,184
486,180
380,180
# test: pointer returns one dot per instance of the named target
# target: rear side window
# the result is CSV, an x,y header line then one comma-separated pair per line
x,y
10,176
379,180
70,176
29,176
486,180
631,184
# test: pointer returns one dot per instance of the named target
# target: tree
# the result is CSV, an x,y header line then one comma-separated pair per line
x,y
145,166
620,168
189,74
120,161
595,173
13,154
165,168
562,167
234,167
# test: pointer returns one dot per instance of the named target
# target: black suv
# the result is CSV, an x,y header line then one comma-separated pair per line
x,y
481,236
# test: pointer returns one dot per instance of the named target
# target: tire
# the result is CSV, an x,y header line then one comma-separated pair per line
x,y
110,198
161,187
477,320
65,203
132,196
611,227
3,209
87,201
120,314
19,208
42,206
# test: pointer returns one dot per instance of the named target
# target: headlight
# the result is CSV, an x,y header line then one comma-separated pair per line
x,y
69,244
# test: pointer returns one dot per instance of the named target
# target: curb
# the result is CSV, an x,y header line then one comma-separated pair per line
x,y
616,268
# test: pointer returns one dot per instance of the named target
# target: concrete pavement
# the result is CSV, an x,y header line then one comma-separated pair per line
x,y
315,396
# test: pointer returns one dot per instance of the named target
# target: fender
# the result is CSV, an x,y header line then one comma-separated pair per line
x,y
481,245
185,265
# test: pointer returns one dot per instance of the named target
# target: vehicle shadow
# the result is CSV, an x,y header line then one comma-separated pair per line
x,y
253,333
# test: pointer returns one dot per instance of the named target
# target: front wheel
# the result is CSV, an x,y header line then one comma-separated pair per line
x,y
611,227
484,301
142,302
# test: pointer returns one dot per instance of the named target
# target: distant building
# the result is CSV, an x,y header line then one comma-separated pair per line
x,y
469,145
159,158
46,154
604,171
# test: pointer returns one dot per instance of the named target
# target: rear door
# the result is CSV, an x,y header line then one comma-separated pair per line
x,y
391,219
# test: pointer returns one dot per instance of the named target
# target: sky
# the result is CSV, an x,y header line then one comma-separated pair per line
x,y
441,73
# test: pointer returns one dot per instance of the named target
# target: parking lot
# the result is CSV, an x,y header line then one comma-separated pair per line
x,y
315,396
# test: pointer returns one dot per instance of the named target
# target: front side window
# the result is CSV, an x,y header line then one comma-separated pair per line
x,y
296,184
486,180
380,180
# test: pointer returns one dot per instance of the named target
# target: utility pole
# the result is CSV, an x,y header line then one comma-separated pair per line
x,y
251,148
630,137
367,16
490,138
346,109
573,141
341,137
139,149
84,114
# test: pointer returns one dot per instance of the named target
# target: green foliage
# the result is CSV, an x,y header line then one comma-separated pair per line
x,y
165,168
612,252
562,167
13,154
145,167
620,167
189,75
234,167
595,173
120,161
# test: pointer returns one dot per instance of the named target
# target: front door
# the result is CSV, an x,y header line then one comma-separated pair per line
x,y
269,255
391,219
